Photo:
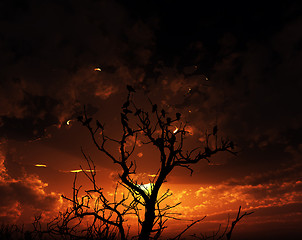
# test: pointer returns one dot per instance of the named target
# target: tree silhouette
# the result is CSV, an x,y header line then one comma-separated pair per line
x,y
168,134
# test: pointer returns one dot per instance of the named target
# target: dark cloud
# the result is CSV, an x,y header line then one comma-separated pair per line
x,y
289,174
22,195
235,66
27,193
49,50
38,112
267,86
253,93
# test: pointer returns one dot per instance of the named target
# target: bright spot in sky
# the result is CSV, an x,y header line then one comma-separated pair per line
x,y
176,129
147,187
40,165
68,122
203,77
98,69
152,175
80,170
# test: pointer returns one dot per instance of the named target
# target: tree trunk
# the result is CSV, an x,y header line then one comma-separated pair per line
x,y
122,233
148,222
150,206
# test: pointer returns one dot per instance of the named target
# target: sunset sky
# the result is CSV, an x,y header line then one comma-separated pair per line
x,y
237,66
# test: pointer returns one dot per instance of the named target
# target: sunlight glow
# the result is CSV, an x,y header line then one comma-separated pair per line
x,y
146,187
40,165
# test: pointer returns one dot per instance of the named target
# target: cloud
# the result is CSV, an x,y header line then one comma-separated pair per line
x,y
38,112
48,55
24,197
272,194
252,92
50,51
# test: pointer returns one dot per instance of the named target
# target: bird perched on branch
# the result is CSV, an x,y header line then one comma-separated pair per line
x,y
154,108
130,88
163,113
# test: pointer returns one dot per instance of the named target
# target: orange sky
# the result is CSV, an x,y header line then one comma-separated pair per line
x,y
235,66
44,169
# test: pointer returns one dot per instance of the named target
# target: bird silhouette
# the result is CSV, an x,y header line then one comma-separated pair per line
x,y
163,113
138,111
154,108
126,104
99,124
130,131
215,130
130,88
168,121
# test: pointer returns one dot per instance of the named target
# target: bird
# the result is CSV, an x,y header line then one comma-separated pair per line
x,y
154,108
215,130
99,124
130,88
207,150
130,131
138,111
168,121
163,113
178,116
126,104
172,139
159,141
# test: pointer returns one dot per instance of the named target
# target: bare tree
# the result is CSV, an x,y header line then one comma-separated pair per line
x,y
108,216
156,127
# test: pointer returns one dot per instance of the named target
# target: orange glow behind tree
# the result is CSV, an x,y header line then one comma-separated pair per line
x,y
145,201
